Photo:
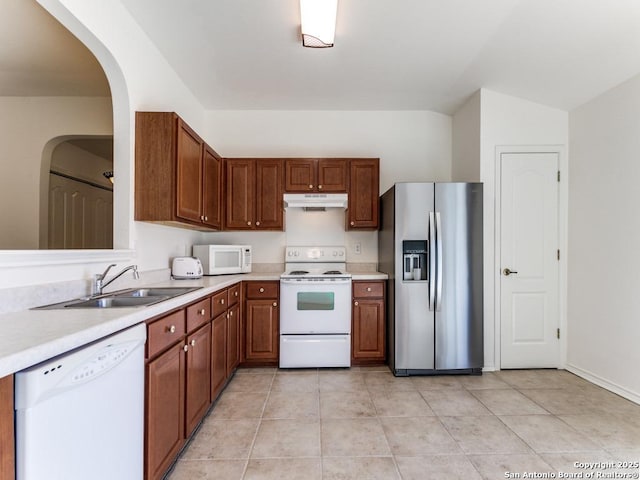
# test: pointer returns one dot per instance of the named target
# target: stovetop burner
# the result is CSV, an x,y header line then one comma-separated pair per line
x,y
298,272
332,272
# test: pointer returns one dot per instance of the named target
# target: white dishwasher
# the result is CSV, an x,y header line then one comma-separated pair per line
x,y
81,415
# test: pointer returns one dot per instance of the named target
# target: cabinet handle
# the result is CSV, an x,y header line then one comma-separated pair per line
x,y
249,223
206,218
257,224
355,303
185,348
368,289
352,223
310,186
202,312
202,217
222,301
193,342
235,293
275,304
227,315
171,329
231,314
261,290
319,187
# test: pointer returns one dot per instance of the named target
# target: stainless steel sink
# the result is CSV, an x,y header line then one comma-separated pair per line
x,y
115,302
133,297
155,292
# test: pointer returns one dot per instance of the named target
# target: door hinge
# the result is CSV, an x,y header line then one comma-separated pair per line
x,y
558,175
558,333
558,254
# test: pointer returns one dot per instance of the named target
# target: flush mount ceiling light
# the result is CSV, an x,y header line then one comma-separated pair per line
x,y
318,22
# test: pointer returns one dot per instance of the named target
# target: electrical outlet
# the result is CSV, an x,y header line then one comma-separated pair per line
x,y
357,248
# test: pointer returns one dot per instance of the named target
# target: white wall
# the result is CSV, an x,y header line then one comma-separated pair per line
x,y
412,146
140,79
508,121
27,124
604,227
466,141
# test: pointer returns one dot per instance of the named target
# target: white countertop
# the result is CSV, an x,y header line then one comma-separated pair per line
x,y
32,336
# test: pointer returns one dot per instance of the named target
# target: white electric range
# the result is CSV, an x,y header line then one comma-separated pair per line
x,y
315,308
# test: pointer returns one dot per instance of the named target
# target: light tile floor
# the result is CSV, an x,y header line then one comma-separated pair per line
x,y
364,423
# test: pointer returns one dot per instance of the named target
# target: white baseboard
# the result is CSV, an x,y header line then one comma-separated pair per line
x,y
593,378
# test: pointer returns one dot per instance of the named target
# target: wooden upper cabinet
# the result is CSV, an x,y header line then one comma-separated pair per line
x,y
176,182
268,209
316,175
212,188
254,194
240,188
7,442
364,186
189,173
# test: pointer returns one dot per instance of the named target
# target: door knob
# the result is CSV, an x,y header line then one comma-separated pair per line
x,y
508,272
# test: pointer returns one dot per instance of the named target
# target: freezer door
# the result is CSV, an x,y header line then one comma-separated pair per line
x,y
459,306
412,320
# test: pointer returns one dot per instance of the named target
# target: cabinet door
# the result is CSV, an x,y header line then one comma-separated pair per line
x,y
300,175
332,175
189,174
261,332
212,189
364,185
165,411
7,445
218,354
269,209
240,198
233,339
368,329
198,377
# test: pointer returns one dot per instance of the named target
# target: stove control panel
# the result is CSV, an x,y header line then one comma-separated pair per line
x,y
315,254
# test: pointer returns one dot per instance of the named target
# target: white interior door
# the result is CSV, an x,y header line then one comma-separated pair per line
x,y
529,240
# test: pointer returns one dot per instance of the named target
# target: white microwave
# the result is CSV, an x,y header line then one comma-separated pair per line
x,y
223,259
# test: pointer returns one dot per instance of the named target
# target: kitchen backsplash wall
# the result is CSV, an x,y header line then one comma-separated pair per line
x,y
304,228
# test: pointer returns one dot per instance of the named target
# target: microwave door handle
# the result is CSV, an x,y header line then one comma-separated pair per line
x,y
432,262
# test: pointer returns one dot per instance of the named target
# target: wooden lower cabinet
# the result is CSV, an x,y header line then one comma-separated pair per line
x,y
7,439
218,354
368,341
233,339
261,323
198,377
164,413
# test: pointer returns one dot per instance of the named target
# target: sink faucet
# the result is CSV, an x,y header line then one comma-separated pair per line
x,y
99,284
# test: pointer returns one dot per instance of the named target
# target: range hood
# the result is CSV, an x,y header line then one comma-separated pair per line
x,y
315,201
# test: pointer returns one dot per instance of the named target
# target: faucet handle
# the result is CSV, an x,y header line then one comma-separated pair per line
x,y
102,277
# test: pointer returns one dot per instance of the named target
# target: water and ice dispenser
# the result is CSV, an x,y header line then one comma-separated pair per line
x,y
414,260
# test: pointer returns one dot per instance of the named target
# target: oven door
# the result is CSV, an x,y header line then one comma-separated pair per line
x,y
313,306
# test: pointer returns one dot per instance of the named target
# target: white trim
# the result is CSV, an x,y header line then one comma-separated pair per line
x,y
31,258
612,387
563,196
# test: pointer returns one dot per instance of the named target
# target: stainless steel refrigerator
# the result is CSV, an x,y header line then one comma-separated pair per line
x,y
430,245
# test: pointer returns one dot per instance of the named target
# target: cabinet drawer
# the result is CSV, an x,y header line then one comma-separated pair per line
x,y
219,302
234,294
262,289
165,331
198,314
368,289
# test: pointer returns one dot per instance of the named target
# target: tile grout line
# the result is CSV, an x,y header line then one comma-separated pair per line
x,y
255,435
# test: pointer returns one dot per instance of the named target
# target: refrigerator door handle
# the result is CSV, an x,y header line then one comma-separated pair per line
x,y
439,264
432,262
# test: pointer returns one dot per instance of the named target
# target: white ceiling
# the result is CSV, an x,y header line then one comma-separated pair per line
x,y
396,54
388,54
